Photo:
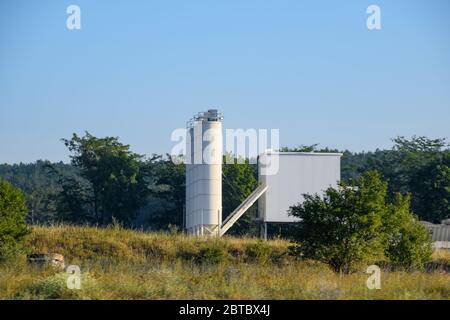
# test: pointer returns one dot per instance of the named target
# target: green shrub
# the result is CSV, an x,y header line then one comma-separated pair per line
x,y
409,245
343,228
13,213
55,287
258,252
353,225
212,254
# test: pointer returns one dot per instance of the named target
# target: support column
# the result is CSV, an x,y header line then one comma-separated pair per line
x,y
263,230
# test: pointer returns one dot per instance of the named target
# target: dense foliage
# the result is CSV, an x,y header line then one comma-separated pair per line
x,y
353,223
40,187
12,219
116,180
239,181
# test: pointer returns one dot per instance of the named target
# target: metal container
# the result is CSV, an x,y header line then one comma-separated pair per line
x,y
203,213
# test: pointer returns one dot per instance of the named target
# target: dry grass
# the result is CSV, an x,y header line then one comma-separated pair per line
x,y
442,255
124,264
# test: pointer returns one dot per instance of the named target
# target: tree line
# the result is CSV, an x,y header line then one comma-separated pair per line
x,y
106,182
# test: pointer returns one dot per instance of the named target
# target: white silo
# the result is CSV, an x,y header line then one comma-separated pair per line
x,y
203,213
188,219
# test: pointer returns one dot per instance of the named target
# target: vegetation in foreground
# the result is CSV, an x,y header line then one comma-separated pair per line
x,y
355,224
124,264
12,220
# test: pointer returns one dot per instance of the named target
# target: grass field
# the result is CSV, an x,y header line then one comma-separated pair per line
x,y
123,264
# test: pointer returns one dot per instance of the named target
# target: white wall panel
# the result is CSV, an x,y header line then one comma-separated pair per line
x,y
298,173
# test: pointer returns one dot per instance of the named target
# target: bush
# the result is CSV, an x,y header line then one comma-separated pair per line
x,y
213,254
55,287
353,225
13,213
258,252
342,228
408,245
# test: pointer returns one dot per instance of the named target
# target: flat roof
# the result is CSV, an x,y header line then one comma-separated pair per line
x,y
302,153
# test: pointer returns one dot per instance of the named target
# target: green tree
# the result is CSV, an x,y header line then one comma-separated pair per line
x,y
353,224
418,165
301,148
118,178
430,187
169,186
75,202
38,186
406,158
342,228
13,213
408,244
238,182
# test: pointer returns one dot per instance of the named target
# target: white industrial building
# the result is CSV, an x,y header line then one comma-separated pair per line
x,y
296,173
283,179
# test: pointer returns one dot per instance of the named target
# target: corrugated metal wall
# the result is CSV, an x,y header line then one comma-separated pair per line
x,y
440,234
298,173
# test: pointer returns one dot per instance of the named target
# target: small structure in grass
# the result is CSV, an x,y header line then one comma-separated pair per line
x,y
43,259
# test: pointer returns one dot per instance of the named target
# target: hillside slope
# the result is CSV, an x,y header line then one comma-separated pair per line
x,y
124,264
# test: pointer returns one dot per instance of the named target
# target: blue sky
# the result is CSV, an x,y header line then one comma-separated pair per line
x,y
140,69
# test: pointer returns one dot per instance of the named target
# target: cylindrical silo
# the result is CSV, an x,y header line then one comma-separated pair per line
x,y
189,180
204,174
